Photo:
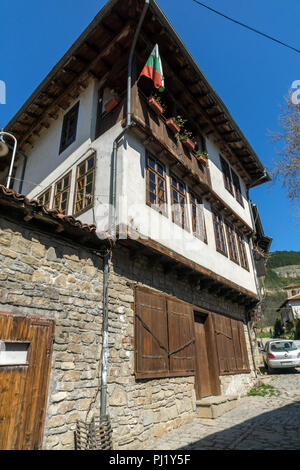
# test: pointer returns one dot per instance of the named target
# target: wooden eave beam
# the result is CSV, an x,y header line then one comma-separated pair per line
x,y
83,76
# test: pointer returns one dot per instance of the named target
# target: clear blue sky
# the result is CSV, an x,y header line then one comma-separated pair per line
x,y
251,74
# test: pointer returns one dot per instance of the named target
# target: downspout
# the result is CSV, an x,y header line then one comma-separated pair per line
x,y
112,204
23,173
104,340
255,274
112,219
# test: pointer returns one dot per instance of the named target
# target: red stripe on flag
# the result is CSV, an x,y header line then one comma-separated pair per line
x,y
151,73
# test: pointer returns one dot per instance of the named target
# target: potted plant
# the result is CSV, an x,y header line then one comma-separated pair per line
x,y
112,102
175,124
155,103
186,139
201,156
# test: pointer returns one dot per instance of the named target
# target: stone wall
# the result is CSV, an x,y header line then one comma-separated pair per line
x,y
46,276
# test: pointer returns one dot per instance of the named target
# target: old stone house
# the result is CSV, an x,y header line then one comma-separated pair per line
x,y
110,214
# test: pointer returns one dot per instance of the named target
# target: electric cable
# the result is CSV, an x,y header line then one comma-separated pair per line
x,y
247,26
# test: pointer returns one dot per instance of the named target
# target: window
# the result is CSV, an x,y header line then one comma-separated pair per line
x,y
231,242
226,175
13,353
242,251
198,222
178,194
156,195
237,188
164,336
61,194
219,234
45,198
69,128
85,182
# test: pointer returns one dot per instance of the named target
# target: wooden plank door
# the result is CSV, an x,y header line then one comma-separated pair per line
x,y
202,377
207,381
25,357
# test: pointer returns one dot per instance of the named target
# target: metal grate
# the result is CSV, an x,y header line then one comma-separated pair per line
x,y
96,435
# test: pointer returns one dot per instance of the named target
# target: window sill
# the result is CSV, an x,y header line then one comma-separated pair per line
x,y
77,214
222,252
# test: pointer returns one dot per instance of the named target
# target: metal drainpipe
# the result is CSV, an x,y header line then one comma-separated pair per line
x,y
112,205
104,340
112,219
23,173
255,278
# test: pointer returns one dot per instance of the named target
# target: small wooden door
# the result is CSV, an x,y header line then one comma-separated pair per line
x,y
25,357
207,380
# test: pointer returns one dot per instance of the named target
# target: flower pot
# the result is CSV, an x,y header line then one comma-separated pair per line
x,y
201,159
155,105
172,126
189,144
111,104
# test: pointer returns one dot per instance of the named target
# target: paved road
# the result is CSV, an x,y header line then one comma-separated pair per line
x,y
257,423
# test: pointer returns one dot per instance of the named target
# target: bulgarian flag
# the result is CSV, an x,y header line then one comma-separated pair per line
x,y
153,69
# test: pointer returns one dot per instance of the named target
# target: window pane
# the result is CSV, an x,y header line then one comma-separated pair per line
x,y
91,163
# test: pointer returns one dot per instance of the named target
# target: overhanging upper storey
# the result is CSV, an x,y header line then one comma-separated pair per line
x,y
102,52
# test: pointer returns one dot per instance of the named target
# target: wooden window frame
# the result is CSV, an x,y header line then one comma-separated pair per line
x,y
182,196
84,177
242,251
68,189
219,232
194,206
69,131
226,175
163,209
42,197
237,188
165,299
232,242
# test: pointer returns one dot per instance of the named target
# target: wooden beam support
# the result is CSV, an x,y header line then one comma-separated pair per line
x,y
81,77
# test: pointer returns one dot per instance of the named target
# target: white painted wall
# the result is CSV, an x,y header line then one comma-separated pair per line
x,y
46,166
161,228
296,308
218,186
44,157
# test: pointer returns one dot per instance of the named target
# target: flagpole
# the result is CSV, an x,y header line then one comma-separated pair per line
x,y
129,78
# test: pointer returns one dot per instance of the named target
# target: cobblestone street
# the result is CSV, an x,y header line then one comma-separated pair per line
x,y
257,423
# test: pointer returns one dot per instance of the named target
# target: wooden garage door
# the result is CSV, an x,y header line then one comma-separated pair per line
x,y
25,355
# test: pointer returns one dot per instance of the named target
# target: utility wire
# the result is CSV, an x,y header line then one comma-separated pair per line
x,y
246,26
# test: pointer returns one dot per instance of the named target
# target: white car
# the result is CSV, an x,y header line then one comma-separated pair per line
x,y
281,354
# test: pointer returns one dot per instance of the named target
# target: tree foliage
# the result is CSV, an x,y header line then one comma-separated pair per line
x,y
283,258
286,168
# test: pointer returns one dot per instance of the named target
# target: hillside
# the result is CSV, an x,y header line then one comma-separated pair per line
x,y
283,268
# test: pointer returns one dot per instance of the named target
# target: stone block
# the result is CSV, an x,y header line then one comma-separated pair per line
x,y
213,407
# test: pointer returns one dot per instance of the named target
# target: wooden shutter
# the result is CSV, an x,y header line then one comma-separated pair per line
x,y
237,344
244,351
224,339
181,337
151,334
231,345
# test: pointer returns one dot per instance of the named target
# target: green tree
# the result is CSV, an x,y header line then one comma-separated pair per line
x,y
278,328
286,168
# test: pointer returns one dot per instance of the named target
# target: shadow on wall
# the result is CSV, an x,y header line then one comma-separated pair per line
x,y
274,430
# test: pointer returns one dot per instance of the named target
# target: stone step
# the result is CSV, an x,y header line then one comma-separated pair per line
x,y
214,406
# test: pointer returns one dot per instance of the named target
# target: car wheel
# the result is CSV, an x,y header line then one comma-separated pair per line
x,y
269,369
